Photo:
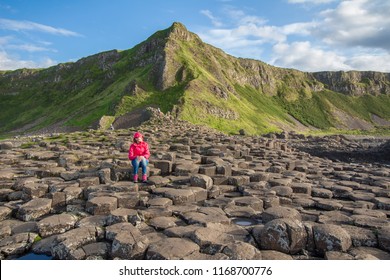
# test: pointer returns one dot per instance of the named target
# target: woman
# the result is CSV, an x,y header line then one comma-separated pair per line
x,y
139,155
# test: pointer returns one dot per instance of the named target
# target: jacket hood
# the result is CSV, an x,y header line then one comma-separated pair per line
x,y
137,135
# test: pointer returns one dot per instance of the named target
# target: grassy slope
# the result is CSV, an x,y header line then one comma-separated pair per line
x,y
50,102
257,109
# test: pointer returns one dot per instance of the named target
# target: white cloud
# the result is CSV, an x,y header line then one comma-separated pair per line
x,y
357,23
15,44
353,35
15,25
266,33
29,48
216,22
303,56
243,41
252,20
14,47
298,28
8,62
241,18
228,39
5,40
250,33
365,62
250,30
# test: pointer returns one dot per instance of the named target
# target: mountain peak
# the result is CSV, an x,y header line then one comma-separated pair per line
x,y
178,26
179,31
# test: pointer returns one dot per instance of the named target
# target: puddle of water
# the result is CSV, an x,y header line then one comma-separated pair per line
x,y
32,256
245,221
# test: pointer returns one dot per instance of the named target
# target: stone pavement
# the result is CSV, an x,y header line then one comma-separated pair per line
x,y
209,196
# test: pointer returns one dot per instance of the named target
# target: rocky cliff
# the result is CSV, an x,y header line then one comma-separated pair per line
x,y
355,82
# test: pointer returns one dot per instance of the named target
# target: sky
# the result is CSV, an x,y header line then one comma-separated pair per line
x,y
308,35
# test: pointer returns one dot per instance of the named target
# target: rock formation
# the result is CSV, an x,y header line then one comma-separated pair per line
x,y
209,196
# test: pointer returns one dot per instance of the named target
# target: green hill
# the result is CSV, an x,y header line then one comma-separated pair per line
x,y
177,72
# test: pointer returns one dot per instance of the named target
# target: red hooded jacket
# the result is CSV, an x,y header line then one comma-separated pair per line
x,y
139,149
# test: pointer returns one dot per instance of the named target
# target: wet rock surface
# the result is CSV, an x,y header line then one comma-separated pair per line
x,y
209,196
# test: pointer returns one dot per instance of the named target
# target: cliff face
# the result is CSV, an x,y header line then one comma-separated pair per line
x,y
355,82
174,70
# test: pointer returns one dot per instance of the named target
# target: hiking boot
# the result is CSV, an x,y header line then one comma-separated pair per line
x,y
135,178
144,178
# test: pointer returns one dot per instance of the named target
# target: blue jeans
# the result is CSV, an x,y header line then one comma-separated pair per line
x,y
137,164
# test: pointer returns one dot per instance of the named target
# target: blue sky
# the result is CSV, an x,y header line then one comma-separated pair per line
x,y
308,35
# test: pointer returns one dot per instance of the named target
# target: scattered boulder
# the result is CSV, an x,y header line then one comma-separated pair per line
x,y
331,238
284,235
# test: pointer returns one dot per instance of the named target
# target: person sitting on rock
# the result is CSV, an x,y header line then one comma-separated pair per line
x,y
139,155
